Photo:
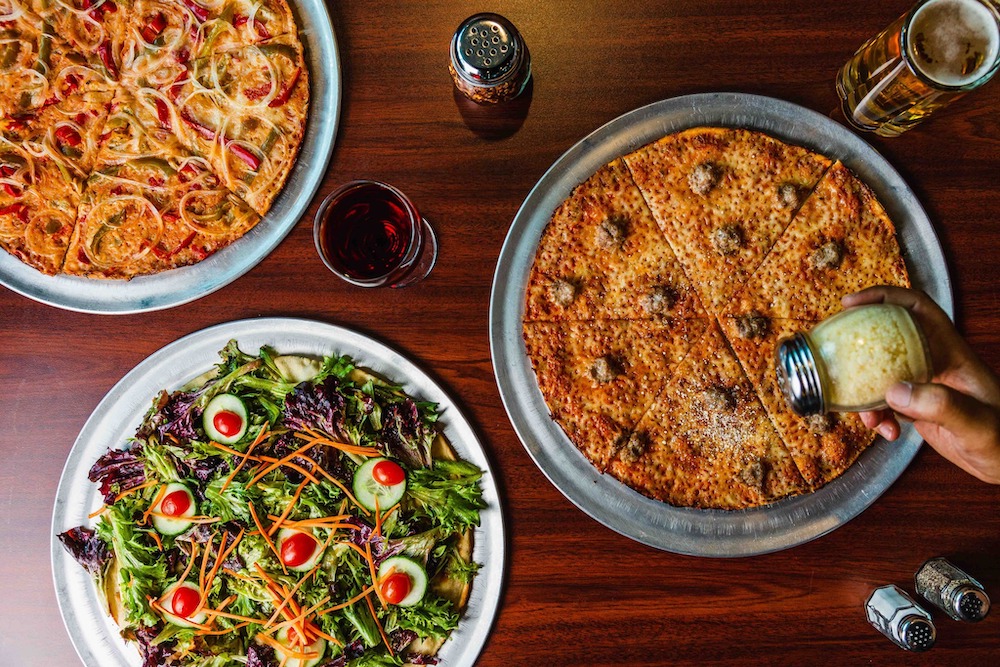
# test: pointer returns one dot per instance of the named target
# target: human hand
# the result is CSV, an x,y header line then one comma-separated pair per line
x,y
958,411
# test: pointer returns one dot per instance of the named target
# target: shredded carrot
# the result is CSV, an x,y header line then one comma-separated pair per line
x,y
288,598
300,617
288,509
371,566
378,624
156,500
156,538
156,606
341,605
204,562
144,485
227,450
194,550
224,631
286,650
320,438
278,463
235,617
223,555
267,538
246,457
102,510
347,493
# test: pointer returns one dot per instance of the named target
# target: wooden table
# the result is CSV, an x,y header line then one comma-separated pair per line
x,y
576,593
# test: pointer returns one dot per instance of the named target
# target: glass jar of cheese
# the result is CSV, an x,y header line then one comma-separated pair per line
x,y
848,361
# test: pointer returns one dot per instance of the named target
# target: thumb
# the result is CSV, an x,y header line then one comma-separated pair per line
x,y
937,404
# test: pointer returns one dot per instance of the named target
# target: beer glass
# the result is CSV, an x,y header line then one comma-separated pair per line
x,y
930,56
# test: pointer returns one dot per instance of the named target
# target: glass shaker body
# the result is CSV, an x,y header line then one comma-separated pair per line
x,y
897,616
848,361
952,591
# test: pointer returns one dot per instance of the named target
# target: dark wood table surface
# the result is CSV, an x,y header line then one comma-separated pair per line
x,y
576,593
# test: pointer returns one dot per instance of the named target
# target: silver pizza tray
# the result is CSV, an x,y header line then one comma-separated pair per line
x,y
714,533
120,412
181,285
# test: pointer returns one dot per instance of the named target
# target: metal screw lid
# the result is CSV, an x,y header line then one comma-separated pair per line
x,y
798,375
971,603
917,633
486,49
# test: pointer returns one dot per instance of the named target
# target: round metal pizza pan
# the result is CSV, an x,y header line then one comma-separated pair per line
x,y
120,412
185,284
712,533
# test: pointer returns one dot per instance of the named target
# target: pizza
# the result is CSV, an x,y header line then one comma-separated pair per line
x,y
140,136
658,292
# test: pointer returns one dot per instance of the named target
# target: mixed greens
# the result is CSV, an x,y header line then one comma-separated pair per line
x,y
265,519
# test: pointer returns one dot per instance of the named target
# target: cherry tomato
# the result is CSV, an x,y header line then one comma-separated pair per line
x,y
227,423
395,587
297,549
175,503
388,473
185,601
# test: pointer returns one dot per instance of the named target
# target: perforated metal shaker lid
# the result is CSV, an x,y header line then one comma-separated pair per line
x,y
487,49
917,633
971,603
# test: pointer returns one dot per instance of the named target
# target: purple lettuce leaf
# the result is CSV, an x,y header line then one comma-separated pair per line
x,y
327,458
118,470
153,655
404,435
315,406
87,548
259,655
361,534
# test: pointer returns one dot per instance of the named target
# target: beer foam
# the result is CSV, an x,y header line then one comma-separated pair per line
x,y
953,42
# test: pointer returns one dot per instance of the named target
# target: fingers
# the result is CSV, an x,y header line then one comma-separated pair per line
x,y
937,404
881,421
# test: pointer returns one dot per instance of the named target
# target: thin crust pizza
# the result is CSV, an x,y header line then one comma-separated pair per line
x,y
220,88
748,239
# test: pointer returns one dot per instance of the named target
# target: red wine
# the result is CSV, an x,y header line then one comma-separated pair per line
x,y
367,232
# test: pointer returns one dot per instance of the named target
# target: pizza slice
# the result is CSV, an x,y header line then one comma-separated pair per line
x,y
245,111
707,441
38,207
823,446
65,132
598,377
841,241
96,28
602,256
723,196
150,205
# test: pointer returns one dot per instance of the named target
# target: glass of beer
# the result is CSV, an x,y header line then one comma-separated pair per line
x,y
930,56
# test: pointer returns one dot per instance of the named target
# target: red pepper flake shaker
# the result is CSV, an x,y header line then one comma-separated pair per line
x,y
490,62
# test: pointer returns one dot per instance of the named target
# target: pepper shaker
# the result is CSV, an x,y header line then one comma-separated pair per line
x,y
952,590
490,62
898,617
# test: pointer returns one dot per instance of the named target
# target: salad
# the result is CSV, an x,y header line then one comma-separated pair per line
x,y
282,511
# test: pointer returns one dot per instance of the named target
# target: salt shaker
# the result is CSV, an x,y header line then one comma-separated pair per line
x,y
898,617
848,361
952,590
490,62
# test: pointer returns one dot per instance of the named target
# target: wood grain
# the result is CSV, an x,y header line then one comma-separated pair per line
x,y
576,593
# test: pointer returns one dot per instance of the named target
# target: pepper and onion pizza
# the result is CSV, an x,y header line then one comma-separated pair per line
x,y
137,136
658,292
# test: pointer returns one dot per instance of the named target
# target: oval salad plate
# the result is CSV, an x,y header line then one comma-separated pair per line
x,y
684,530
119,414
185,284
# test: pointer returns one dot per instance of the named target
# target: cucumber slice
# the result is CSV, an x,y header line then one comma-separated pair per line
x,y
167,602
414,570
318,647
166,525
367,488
225,419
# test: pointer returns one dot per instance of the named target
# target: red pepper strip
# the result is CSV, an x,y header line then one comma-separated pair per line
x,y
286,91
68,135
188,173
163,112
240,20
18,209
11,190
258,92
104,51
152,30
199,12
175,88
72,83
249,158
197,127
